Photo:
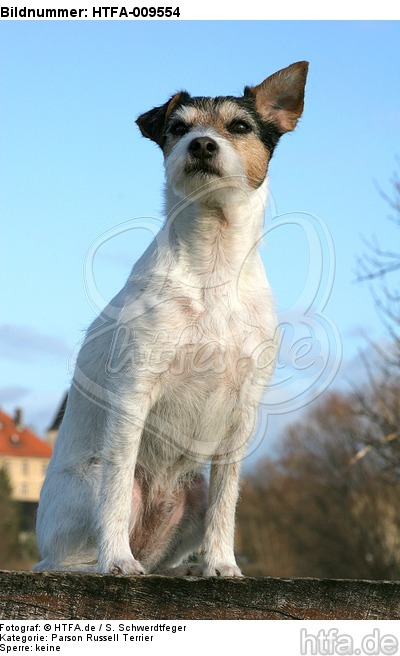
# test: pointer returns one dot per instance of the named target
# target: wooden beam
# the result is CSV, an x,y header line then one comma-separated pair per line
x,y
37,595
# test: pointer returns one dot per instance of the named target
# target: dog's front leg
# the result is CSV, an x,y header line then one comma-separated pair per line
x,y
219,557
124,429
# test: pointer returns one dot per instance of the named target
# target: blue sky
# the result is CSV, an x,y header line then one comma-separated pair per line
x,y
74,167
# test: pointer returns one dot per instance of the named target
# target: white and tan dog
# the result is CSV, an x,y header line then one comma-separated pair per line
x,y
170,375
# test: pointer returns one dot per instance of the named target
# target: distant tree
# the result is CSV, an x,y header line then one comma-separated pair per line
x,y
377,262
314,510
9,524
380,267
328,504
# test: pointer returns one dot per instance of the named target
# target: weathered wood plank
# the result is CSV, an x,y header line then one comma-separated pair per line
x,y
36,595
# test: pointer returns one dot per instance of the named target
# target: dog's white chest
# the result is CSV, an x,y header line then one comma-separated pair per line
x,y
209,370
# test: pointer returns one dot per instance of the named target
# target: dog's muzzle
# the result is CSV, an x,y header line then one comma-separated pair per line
x,y
202,152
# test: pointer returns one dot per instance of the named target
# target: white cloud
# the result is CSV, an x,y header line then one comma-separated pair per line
x,y
22,343
12,394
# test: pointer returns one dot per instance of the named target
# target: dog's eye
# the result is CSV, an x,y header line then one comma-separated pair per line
x,y
178,129
239,127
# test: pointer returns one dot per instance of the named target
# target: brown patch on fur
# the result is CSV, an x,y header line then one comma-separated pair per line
x,y
171,105
190,308
255,158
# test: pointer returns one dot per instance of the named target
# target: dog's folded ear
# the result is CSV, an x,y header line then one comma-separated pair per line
x,y
280,98
152,124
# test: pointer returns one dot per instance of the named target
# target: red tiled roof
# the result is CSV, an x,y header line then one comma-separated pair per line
x,y
20,441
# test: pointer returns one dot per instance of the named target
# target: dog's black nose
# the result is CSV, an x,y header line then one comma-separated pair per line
x,y
203,147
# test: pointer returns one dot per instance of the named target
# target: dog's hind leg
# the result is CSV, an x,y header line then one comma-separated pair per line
x,y
47,565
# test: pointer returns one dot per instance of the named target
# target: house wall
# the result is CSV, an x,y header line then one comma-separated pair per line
x,y
26,476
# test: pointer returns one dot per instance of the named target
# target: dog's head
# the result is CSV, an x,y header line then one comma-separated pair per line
x,y
207,139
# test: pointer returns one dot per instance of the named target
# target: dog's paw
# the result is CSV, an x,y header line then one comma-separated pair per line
x,y
222,569
186,569
123,567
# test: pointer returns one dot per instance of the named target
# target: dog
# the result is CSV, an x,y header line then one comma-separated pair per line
x,y
164,397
